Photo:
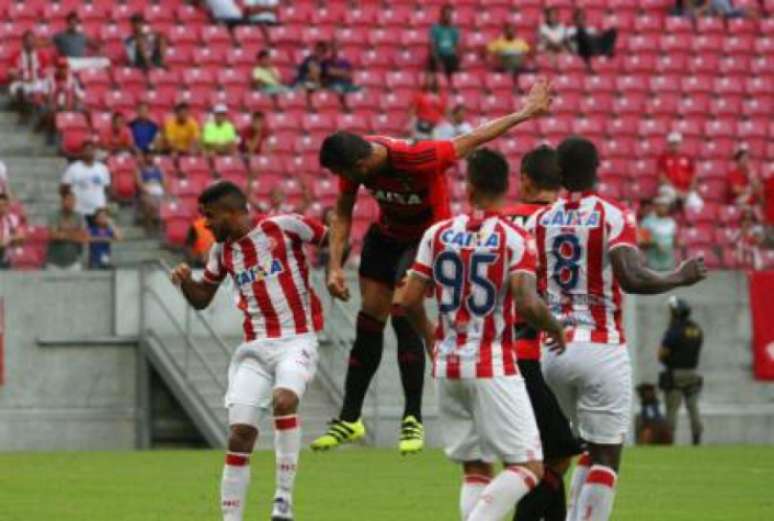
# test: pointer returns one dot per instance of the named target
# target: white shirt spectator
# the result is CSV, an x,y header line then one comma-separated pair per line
x,y
554,36
224,9
88,183
268,16
3,178
449,130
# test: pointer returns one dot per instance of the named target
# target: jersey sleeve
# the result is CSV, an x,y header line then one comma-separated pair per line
x,y
623,229
423,261
347,187
305,228
214,271
445,154
522,253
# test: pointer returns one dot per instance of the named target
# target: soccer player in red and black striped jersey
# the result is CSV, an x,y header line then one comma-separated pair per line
x,y
408,182
539,187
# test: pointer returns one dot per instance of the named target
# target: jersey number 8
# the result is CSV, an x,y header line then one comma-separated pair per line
x,y
566,250
449,271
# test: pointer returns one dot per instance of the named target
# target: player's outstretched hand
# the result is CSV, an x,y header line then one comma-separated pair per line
x,y
180,274
539,98
337,285
692,271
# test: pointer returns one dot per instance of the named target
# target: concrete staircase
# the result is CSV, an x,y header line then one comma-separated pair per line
x,y
35,168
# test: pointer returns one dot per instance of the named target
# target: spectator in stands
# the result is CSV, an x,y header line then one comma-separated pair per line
x,y
145,47
658,237
309,73
11,231
73,42
220,136
262,13
552,35
5,187
454,126
198,243
254,135
67,234
676,171
117,137
151,183
181,132
337,75
102,234
266,76
743,188
227,11
588,41
89,180
144,129
444,45
27,75
428,108
508,52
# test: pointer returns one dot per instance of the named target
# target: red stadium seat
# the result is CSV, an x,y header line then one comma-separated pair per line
x,y
664,104
91,77
694,105
192,165
632,83
720,128
697,236
27,257
688,127
697,84
71,121
228,165
266,165
753,128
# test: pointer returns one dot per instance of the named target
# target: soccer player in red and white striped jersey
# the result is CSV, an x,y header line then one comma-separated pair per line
x,y
482,268
588,253
282,314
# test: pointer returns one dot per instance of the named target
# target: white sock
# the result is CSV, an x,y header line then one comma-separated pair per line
x,y
472,486
287,445
595,502
233,487
576,484
498,498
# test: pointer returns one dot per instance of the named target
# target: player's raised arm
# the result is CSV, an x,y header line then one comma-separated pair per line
x,y
634,277
341,228
533,309
538,103
198,293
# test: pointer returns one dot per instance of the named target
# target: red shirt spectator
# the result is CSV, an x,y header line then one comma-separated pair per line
x,y
66,92
676,168
117,137
27,70
254,135
742,189
429,107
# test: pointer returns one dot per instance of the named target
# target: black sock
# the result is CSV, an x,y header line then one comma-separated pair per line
x,y
557,507
411,362
364,360
537,504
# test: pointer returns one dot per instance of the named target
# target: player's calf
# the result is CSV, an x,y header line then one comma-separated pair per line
x,y
508,487
287,446
476,476
236,471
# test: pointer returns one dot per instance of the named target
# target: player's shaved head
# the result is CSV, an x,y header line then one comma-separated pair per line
x,y
225,195
578,163
541,166
342,151
488,173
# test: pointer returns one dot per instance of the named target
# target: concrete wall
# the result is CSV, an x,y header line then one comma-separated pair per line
x,y
61,398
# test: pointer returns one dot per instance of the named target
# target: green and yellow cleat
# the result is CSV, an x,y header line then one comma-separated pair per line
x,y
339,433
412,436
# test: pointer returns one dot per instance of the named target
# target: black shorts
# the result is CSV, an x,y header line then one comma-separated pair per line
x,y
555,432
384,259
450,63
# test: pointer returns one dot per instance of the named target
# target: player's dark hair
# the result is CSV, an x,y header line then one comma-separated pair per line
x,y
342,150
224,193
578,163
488,172
541,166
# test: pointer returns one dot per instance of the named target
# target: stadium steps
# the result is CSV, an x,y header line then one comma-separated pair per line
x,y
201,395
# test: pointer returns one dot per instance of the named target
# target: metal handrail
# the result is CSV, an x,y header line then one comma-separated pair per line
x,y
186,336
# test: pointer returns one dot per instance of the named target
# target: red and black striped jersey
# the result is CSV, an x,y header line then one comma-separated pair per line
x,y
411,191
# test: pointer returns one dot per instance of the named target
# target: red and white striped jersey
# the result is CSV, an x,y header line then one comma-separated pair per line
x,y
574,238
271,273
470,260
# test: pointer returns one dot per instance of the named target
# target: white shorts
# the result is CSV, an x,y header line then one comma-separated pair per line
x,y
260,366
28,87
488,419
593,383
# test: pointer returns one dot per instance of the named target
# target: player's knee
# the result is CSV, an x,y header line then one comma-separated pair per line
x,y
536,468
477,468
241,438
285,402
559,465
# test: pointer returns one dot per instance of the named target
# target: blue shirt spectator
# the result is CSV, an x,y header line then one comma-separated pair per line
x,y
144,130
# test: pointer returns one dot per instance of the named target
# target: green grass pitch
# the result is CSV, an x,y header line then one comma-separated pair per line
x,y
664,484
